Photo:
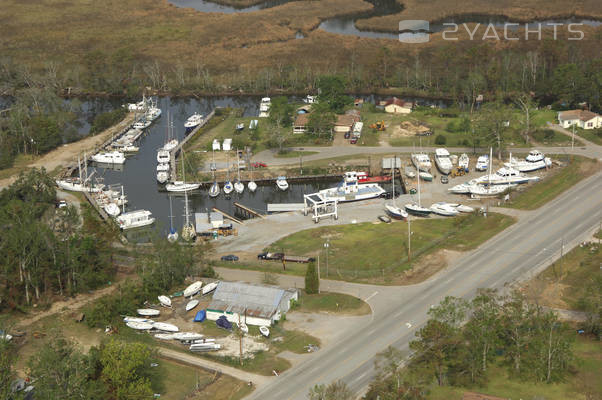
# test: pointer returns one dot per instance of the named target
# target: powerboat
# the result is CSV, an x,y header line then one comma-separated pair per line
x,y
142,124
528,166
482,163
444,209
181,186
463,188
421,161
163,156
140,106
410,173
109,157
534,156
135,219
425,176
163,167
281,183
464,161
170,145
443,161
395,212
505,176
350,190
112,209
153,113
162,176
193,121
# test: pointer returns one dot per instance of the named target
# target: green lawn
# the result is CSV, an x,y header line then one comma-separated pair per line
x,y
584,377
557,181
294,154
332,303
549,137
377,253
593,135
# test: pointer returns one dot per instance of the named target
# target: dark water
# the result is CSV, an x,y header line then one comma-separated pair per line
x,y
208,6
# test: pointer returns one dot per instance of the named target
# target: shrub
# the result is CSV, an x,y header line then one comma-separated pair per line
x,y
106,120
440,140
312,281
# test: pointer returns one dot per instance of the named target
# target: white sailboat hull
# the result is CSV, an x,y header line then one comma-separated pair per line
x,y
181,186
252,186
193,289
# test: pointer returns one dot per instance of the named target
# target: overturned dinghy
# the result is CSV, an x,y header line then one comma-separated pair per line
x,y
187,336
165,301
164,326
137,319
191,304
141,326
165,336
148,312
209,288
193,289
265,331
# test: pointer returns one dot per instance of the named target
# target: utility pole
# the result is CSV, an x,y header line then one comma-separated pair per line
x,y
318,274
561,254
301,163
409,240
573,138
327,245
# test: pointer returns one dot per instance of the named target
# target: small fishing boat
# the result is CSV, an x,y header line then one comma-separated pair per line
x,y
214,190
148,312
209,288
112,209
482,163
162,177
137,319
461,207
265,331
464,161
281,183
421,161
141,326
109,157
191,304
243,327
164,300
444,209
164,326
426,176
535,156
443,161
181,186
192,122
135,219
409,171
193,289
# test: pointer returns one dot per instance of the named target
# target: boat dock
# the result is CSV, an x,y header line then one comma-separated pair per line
x,y
230,217
174,152
246,211
285,207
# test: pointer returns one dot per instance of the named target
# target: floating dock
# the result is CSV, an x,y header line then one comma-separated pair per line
x,y
285,207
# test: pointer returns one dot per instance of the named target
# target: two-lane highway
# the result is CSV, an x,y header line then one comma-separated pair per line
x,y
525,247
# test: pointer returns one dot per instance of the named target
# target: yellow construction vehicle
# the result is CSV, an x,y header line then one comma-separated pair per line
x,y
458,171
378,125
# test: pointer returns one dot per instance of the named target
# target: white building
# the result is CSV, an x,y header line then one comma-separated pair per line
x,y
250,303
581,118
394,105
227,145
216,145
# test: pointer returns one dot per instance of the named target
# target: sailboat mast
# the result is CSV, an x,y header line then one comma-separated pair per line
x,y
393,179
418,177
170,216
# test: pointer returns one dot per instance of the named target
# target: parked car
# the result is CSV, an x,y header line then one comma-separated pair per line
x,y
230,257
353,140
444,179
347,135
258,164
262,256
61,204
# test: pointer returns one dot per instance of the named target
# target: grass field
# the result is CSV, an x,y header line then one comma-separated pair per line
x,y
377,252
583,378
295,153
332,303
557,181
593,135
564,282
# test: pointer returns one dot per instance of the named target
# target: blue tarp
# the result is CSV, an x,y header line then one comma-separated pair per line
x,y
200,316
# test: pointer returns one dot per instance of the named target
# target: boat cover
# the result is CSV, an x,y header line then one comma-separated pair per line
x,y
200,316
223,322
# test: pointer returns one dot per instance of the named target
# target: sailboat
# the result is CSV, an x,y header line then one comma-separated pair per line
x,y
489,190
252,185
172,236
417,209
228,188
79,184
392,209
170,142
182,186
214,189
238,186
188,231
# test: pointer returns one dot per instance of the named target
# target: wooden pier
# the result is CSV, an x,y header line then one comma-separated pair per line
x,y
225,214
247,212
174,152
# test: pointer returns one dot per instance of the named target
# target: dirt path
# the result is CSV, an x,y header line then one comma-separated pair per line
x,y
67,153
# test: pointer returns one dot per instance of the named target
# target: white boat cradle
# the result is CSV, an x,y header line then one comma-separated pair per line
x,y
148,312
162,176
464,161
443,161
193,121
264,330
164,326
281,183
164,300
163,156
208,288
444,209
192,304
112,209
109,157
421,161
137,319
141,326
351,190
135,219
482,163
193,289
181,186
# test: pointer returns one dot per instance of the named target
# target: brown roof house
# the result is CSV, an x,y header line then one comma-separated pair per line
x,y
345,122
394,105
301,122
580,118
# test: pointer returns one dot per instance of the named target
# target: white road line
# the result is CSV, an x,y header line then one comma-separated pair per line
x,y
371,296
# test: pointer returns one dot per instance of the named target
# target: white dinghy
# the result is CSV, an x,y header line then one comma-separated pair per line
x,y
192,304
148,312
193,289
265,331
209,288
164,326
140,326
165,301
137,319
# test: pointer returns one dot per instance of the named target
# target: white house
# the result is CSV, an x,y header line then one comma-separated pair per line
x,y
253,304
581,118
394,105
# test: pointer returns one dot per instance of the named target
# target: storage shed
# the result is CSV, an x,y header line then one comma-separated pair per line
x,y
250,303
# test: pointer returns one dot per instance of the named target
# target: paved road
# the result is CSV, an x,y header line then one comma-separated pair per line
x,y
516,253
